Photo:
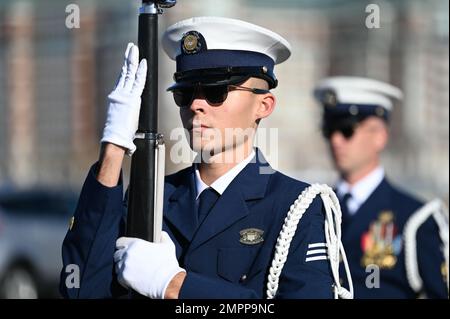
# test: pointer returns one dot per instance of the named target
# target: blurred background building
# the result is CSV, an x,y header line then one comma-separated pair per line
x,y
54,82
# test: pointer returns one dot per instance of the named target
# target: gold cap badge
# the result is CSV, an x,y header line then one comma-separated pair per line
x,y
330,98
191,42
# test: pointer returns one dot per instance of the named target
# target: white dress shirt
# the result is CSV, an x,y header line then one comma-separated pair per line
x,y
361,190
221,184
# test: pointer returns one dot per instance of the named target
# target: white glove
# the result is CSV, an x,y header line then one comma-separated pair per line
x,y
125,102
146,267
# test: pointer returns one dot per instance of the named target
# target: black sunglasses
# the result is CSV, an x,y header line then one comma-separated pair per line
x,y
214,95
347,129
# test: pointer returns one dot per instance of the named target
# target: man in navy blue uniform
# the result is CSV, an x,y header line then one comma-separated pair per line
x,y
355,123
222,217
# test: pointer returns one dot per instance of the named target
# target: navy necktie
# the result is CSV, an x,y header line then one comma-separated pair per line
x,y
344,205
207,200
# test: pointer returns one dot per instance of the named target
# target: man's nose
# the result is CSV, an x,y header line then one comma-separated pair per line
x,y
199,103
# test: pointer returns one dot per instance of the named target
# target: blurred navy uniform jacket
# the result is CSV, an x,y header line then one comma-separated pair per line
x,y
220,263
373,236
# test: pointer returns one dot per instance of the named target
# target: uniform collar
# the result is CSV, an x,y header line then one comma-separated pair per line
x,y
221,184
361,190
248,185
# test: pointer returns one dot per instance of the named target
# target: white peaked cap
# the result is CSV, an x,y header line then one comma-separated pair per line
x,y
358,91
228,34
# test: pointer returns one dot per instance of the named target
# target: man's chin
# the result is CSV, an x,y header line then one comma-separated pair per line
x,y
199,148
342,167
207,152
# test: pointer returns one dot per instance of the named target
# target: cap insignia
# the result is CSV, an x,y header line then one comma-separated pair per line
x,y
191,42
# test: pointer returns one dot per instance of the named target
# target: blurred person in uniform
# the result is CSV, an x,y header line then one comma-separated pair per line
x,y
221,218
355,122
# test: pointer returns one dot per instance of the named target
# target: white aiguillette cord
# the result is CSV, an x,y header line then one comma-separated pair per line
x,y
333,219
438,210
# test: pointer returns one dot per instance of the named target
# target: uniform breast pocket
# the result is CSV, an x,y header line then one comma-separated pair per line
x,y
237,264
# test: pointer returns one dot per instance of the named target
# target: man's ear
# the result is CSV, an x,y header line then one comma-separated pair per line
x,y
266,105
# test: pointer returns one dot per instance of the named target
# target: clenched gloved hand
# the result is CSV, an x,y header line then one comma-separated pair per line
x,y
146,267
125,101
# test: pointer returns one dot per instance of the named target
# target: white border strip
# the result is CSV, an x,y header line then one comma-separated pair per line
x,y
317,245
316,258
316,251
